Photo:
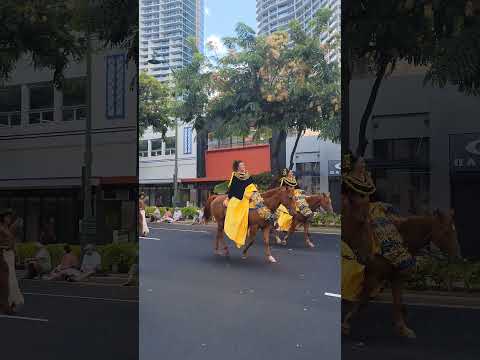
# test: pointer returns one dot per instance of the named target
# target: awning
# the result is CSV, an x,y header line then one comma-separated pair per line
x,y
204,180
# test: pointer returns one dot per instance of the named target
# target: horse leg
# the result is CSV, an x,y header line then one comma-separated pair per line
x,y
220,242
400,325
308,242
266,242
289,233
250,240
277,236
370,283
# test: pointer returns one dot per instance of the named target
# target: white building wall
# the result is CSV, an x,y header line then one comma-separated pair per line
x,y
160,169
52,153
311,148
405,108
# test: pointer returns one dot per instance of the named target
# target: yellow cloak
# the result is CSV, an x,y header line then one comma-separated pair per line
x,y
352,274
236,219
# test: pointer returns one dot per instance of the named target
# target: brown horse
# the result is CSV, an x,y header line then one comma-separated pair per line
x,y
4,289
315,202
214,207
417,232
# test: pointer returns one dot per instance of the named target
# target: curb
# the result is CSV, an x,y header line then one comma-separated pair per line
x,y
434,299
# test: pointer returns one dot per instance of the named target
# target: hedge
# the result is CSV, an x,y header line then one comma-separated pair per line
x,y
118,257
326,219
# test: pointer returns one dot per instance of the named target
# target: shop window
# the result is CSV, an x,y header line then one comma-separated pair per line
x,y
10,106
157,145
170,147
143,148
41,103
75,99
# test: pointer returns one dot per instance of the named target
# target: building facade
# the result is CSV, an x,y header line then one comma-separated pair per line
x,y
423,147
274,15
165,27
316,163
42,144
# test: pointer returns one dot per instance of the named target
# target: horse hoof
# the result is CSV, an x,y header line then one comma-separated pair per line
x,y
271,259
310,244
345,329
284,243
405,332
244,256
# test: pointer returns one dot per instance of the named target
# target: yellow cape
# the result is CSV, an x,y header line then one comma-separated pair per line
x,y
284,218
352,274
236,219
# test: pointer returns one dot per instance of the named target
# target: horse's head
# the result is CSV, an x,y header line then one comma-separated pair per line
x,y
326,202
444,234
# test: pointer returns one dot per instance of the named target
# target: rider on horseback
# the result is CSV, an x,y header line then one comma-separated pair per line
x,y
242,196
287,179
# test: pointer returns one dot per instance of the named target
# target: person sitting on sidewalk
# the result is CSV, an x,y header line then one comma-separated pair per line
x,y
167,217
198,219
156,216
40,264
177,215
91,265
69,262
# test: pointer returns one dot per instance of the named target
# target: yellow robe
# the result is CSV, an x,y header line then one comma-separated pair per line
x,y
352,274
284,218
236,219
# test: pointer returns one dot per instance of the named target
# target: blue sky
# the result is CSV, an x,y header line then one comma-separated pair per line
x,y
221,16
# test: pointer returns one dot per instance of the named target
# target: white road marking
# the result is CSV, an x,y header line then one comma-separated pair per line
x,y
23,318
82,297
149,238
333,295
182,230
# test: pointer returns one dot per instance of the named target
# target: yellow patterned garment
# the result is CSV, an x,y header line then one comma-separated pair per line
x,y
352,274
284,218
236,219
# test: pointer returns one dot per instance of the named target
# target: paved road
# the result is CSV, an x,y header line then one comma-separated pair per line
x,y
72,321
443,333
195,306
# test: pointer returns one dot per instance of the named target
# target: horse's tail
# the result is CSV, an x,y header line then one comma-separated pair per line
x,y
207,211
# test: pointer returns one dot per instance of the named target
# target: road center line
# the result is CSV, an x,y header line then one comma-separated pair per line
x,y
82,297
23,318
182,230
333,295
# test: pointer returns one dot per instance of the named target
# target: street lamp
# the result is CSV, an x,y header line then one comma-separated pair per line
x,y
155,61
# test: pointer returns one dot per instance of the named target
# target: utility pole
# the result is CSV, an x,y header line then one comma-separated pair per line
x,y
175,168
88,223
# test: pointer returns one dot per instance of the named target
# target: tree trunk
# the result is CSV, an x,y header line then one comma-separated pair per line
x,y
292,155
362,139
277,150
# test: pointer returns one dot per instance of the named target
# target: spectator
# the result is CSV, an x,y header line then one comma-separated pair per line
x,y
91,265
167,217
40,264
177,215
198,219
69,262
157,216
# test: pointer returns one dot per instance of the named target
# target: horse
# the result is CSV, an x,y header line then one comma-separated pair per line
x,y
315,202
417,232
214,207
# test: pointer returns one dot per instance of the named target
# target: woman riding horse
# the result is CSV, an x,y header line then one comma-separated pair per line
x,y
288,180
242,195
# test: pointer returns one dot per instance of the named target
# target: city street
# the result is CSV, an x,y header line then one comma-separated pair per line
x,y
441,332
196,306
72,321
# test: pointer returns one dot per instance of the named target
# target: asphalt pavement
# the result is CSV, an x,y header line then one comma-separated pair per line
x,y
194,305
72,321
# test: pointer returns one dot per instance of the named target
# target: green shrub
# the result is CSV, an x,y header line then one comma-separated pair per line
x,y
326,219
149,210
112,255
189,212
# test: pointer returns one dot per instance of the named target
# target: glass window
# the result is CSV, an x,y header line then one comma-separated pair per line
x,y
75,92
10,99
170,145
308,176
402,149
157,147
143,148
41,96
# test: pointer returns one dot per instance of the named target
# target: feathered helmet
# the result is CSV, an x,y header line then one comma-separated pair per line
x,y
363,186
286,180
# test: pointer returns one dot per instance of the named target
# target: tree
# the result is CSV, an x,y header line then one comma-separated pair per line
x,y
155,105
281,81
52,32
440,35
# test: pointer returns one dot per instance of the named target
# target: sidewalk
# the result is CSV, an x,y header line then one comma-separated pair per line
x,y
107,279
435,299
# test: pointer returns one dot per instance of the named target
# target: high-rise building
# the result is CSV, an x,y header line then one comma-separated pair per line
x,y
274,15
165,27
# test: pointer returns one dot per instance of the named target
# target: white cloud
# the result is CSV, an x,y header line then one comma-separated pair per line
x,y
216,45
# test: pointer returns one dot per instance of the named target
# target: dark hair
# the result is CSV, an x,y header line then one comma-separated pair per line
x,y
236,164
67,249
